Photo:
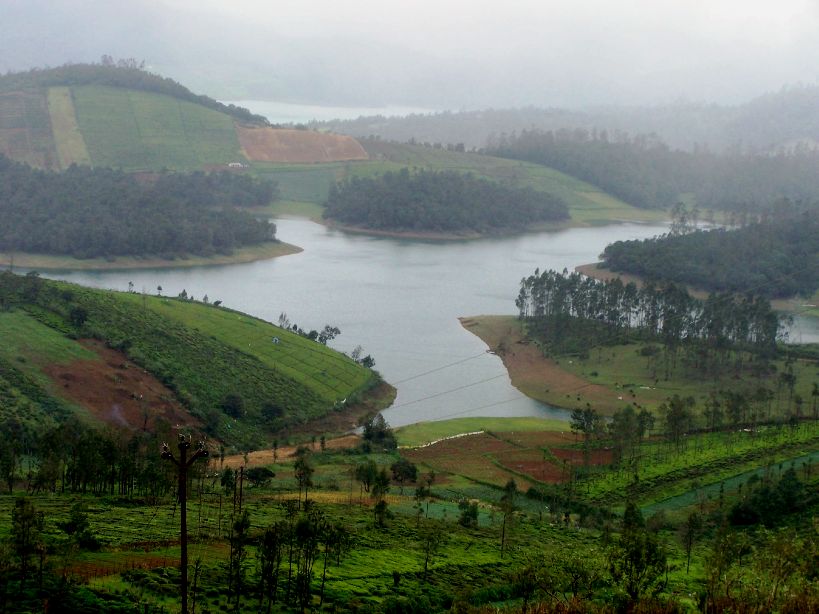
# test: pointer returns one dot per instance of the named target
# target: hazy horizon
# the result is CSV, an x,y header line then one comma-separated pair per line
x,y
453,55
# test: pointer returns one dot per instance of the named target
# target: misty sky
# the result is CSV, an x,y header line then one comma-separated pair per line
x,y
444,53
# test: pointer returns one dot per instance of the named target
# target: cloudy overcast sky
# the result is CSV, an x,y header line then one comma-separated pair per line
x,y
444,53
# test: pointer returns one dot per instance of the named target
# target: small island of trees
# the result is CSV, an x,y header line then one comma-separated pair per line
x,y
449,202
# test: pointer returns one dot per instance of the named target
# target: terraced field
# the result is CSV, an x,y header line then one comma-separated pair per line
x,y
25,129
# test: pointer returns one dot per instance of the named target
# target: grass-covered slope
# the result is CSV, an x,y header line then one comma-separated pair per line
x,y
221,365
123,116
138,130
588,205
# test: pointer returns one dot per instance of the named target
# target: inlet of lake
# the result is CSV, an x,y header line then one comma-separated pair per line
x,y
400,300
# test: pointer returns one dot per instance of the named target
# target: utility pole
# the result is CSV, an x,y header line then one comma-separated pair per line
x,y
182,465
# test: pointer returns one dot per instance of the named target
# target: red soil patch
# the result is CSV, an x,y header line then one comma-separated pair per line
x,y
266,144
472,457
539,439
575,456
497,458
531,462
117,391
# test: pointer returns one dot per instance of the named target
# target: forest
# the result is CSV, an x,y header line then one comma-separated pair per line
x,y
775,255
444,201
644,171
87,213
125,73
574,313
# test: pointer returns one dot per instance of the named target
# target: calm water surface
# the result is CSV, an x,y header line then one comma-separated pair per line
x,y
400,300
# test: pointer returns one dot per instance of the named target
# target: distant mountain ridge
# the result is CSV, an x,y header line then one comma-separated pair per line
x,y
784,119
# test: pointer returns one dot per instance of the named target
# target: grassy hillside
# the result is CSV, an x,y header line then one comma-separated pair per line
x,y
588,205
68,139
122,116
142,130
206,357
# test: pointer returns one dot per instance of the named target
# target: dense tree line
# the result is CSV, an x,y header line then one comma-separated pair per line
x,y
573,313
126,73
644,171
439,202
777,255
89,213
74,457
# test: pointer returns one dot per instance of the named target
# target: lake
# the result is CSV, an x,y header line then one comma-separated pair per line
x,y
400,300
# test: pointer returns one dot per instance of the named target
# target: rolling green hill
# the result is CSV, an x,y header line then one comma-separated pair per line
x,y
138,130
125,117
588,205
72,350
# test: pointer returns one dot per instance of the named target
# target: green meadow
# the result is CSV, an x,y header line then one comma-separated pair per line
x,y
136,130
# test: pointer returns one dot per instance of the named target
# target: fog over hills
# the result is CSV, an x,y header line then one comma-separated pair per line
x,y
453,55
686,73
785,119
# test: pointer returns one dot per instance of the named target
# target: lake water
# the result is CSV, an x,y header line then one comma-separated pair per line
x,y
287,113
400,300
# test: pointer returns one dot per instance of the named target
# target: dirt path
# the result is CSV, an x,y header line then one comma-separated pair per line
x,y
265,457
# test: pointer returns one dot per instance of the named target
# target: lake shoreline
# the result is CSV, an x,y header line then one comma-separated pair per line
x,y
452,236
46,262
538,377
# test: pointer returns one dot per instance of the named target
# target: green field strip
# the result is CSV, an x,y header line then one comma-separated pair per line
x,y
728,484
666,474
68,139
137,130
422,433
24,337
331,374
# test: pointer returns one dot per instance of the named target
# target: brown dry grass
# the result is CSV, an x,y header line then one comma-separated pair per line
x,y
261,458
266,144
532,373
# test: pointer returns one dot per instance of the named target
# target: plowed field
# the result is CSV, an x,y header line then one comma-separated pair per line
x,y
297,146
116,391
